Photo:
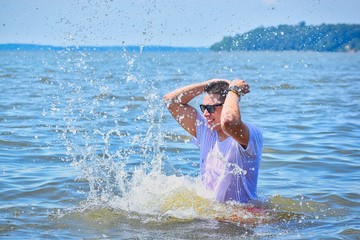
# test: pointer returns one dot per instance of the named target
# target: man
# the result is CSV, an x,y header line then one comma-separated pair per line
x,y
230,149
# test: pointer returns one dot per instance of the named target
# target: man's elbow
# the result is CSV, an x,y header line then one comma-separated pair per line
x,y
229,123
226,123
167,99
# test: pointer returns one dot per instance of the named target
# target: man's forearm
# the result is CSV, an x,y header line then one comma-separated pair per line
x,y
185,94
231,109
231,122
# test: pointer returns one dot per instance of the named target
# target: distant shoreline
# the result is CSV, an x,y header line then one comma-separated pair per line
x,y
136,49
40,47
300,37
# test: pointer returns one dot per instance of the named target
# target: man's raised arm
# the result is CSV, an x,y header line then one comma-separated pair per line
x,y
177,103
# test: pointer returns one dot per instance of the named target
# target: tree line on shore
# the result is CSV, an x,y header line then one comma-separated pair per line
x,y
300,37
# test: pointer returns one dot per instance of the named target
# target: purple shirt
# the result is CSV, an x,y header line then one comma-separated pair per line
x,y
227,169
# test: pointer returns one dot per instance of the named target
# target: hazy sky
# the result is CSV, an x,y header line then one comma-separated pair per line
x,y
158,22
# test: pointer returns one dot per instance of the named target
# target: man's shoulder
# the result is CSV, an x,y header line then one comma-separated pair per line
x,y
200,120
253,127
254,130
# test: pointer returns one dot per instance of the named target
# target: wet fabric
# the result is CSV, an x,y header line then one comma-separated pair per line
x,y
227,169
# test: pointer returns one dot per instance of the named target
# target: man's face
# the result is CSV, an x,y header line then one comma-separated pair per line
x,y
213,119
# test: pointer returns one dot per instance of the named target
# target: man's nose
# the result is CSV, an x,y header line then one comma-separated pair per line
x,y
206,113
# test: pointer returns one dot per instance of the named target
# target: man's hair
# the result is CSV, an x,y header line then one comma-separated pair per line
x,y
219,87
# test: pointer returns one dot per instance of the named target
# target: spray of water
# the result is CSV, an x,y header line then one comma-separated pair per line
x,y
119,153
115,140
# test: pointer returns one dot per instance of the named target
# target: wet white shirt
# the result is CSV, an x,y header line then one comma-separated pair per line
x,y
227,169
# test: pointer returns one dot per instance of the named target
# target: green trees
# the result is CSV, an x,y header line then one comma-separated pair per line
x,y
300,37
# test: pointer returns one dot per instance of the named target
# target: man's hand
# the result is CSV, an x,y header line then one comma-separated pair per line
x,y
242,84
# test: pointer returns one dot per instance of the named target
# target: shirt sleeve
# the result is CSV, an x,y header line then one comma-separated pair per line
x,y
255,145
200,125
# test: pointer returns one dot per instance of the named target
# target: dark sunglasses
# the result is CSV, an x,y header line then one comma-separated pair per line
x,y
209,108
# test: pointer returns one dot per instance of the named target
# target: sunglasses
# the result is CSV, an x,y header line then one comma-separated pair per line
x,y
209,108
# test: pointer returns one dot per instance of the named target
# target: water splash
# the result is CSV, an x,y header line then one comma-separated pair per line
x,y
114,151
114,136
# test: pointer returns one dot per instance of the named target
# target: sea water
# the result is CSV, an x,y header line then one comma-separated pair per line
x,y
89,151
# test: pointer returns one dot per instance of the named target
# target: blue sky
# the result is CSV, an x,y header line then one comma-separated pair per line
x,y
158,22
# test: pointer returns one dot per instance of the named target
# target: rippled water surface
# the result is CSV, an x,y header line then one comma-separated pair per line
x,y
89,151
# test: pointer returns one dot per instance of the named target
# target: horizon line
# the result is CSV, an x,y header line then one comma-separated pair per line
x,y
35,46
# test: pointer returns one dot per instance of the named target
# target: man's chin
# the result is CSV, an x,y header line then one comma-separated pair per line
x,y
214,127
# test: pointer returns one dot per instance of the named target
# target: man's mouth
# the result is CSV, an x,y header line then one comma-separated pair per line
x,y
209,121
